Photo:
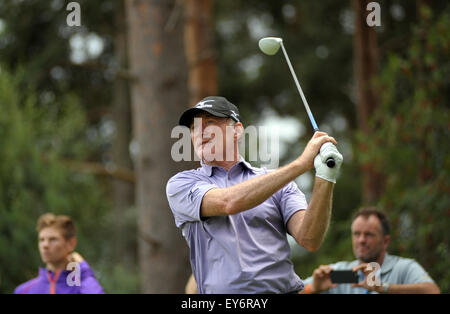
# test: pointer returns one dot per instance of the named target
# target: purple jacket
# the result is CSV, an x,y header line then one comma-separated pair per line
x,y
56,283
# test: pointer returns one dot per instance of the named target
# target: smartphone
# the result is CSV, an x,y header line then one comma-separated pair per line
x,y
344,276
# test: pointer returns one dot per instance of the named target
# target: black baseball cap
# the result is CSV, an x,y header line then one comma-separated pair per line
x,y
216,105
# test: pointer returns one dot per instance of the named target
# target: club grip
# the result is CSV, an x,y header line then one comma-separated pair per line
x,y
330,162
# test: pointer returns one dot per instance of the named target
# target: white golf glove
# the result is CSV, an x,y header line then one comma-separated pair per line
x,y
322,170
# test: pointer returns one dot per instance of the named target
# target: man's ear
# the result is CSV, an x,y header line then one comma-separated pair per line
x,y
72,242
387,239
239,130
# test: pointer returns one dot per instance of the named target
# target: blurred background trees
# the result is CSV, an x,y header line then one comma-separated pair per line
x,y
409,147
86,114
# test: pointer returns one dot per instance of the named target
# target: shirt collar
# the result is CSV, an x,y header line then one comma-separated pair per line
x,y
388,264
44,271
208,169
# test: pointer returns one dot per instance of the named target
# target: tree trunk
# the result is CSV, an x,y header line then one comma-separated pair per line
x,y
159,95
123,191
199,47
365,58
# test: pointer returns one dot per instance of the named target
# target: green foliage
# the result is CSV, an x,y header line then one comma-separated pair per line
x,y
37,37
55,119
409,146
306,28
34,179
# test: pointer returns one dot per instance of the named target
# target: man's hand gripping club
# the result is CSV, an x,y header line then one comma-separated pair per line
x,y
327,150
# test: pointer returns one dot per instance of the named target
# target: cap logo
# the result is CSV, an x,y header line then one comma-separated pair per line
x,y
203,104
234,115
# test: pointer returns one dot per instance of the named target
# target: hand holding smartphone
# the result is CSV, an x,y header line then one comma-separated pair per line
x,y
344,276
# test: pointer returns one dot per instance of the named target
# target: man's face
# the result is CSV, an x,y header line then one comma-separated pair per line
x,y
367,239
53,247
212,137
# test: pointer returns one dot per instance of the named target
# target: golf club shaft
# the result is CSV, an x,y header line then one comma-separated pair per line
x,y
305,103
330,161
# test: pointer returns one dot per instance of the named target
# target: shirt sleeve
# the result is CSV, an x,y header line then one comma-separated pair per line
x,y
414,273
185,193
291,200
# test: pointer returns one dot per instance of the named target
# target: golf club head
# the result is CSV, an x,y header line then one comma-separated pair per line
x,y
270,45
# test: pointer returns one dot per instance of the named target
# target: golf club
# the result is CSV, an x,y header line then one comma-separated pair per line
x,y
270,46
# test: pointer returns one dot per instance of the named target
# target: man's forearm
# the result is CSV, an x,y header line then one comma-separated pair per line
x,y
250,193
416,288
317,217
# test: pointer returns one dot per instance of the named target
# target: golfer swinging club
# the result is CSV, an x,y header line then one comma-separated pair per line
x,y
235,217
